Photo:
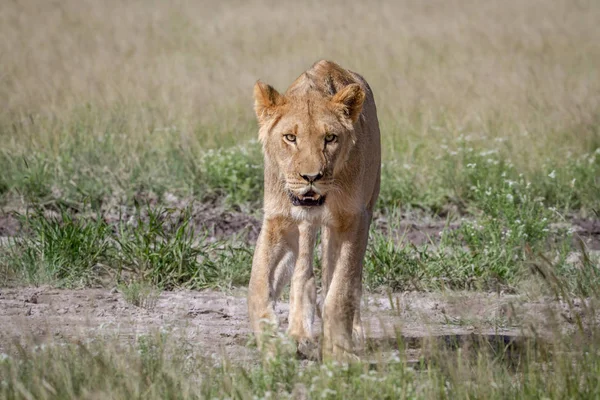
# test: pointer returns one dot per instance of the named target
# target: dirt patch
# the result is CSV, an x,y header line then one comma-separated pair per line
x,y
217,323
221,223
215,221
589,231
9,224
418,231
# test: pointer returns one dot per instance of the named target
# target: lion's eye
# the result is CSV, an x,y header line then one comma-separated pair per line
x,y
330,138
290,138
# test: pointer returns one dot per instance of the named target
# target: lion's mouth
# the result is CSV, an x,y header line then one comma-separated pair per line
x,y
308,199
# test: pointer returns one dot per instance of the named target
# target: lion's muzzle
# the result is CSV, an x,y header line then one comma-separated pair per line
x,y
308,199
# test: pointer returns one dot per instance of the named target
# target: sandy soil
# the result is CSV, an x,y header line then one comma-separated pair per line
x,y
217,324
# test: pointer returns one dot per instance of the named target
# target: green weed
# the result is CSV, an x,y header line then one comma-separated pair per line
x,y
61,249
509,229
235,173
153,253
140,294
156,247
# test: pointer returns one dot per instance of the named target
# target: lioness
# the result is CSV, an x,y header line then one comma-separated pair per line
x,y
322,158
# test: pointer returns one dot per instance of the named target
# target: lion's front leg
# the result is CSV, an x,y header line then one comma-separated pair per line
x,y
303,291
272,265
330,251
342,301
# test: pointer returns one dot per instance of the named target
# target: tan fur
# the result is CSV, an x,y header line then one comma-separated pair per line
x,y
325,100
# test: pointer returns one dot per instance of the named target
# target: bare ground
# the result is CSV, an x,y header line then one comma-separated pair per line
x,y
216,323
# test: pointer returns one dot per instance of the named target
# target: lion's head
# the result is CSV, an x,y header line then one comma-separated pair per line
x,y
308,134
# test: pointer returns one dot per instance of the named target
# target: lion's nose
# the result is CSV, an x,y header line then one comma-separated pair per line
x,y
310,178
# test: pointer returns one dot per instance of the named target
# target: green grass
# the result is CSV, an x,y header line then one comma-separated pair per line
x,y
496,249
157,246
234,175
90,174
507,231
505,228
61,250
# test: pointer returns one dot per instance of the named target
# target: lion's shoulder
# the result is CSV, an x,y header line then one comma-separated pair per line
x,y
326,77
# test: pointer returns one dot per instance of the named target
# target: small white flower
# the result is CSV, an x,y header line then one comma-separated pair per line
x,y
488,152
573,182
509,197
471,165
327,392
552,174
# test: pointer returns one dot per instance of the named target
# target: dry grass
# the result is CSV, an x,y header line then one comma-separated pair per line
x,y
524,71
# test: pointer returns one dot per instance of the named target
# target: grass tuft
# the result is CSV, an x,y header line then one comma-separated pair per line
x,y
61,249
139,294
157,247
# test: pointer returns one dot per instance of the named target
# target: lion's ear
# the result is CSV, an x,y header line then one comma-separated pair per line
x,y
349,101
266,100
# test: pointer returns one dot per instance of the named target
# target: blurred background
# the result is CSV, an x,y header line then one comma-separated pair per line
x,y
101,99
